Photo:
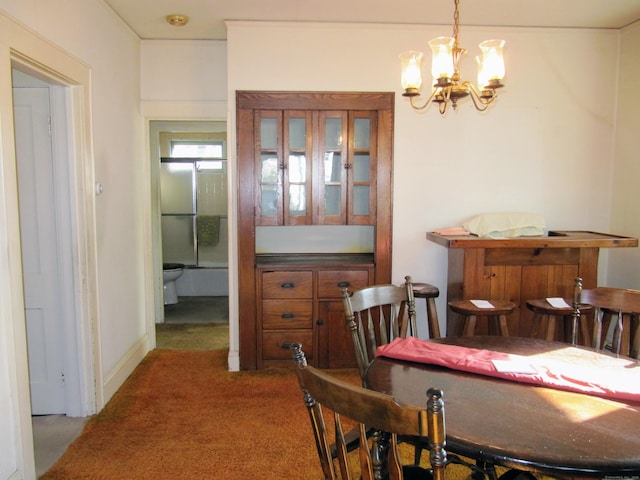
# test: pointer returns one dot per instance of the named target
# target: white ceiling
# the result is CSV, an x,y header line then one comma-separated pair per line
x,y
147,17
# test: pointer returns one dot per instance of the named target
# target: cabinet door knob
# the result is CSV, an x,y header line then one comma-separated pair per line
x,y
319,322
344,284
287,285
287,315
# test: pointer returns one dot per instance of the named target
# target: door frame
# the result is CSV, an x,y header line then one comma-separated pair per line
x,y
34,55
156,113
79,375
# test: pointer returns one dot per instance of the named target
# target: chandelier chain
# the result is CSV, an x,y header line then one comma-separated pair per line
x,y
456,22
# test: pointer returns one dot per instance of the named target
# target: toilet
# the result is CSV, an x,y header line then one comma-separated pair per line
x,y
170,273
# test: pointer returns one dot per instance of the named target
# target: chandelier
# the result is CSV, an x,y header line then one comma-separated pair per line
x,y
448,88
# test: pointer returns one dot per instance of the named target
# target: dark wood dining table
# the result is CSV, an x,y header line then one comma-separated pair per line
x,y
519,425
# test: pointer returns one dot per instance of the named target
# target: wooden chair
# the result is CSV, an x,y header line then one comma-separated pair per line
x,y
378,457
618,305
429,293
376,315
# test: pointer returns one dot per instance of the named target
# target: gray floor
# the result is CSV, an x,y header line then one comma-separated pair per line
x,y
198,310
52,434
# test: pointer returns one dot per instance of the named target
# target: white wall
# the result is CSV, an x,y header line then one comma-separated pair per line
x,y
113,156
624,263
546,146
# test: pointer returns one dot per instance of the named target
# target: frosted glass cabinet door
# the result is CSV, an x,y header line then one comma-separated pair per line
x,y
297,179
333,135
177,195
269,167
361,183
362,171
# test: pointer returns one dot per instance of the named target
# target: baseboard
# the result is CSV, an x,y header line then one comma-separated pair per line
x,y
17,475
116,377
234,361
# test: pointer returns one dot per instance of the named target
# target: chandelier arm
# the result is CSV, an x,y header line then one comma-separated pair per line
x,y
425,104
479,102
485,101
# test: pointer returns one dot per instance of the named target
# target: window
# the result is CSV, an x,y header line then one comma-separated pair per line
x,y
197,149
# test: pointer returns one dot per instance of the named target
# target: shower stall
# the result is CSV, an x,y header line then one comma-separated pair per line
x,y
193,205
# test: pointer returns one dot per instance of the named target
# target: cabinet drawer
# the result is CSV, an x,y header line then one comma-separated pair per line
x,y
286,314
287,284
331,283
272,344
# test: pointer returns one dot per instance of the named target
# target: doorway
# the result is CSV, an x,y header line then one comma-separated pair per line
x,y
46,208
188,170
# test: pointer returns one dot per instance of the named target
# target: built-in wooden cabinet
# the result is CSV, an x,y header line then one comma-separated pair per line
x,y
309,158
302,304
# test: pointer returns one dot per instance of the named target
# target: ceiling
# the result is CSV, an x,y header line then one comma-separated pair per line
x,y
147,17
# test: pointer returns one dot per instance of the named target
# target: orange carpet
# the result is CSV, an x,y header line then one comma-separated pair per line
x,y
182,415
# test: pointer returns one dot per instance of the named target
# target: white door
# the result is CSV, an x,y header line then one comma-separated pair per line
x,y
39,250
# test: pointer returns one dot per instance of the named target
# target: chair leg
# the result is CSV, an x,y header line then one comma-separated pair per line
x,y
626,334
535,325
469,326
584,330
635,336
432,318
503,327
551,328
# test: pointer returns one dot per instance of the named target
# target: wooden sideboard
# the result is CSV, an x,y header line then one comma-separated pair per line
x,y
521,269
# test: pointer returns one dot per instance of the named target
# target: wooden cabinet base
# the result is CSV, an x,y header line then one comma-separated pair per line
x,y
521,269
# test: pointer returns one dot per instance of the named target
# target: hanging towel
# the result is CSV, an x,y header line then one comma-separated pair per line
x,y
208,230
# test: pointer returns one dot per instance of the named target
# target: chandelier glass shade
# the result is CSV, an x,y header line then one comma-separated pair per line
x,y
447,86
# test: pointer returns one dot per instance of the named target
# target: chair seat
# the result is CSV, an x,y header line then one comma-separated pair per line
x,y
496,314
466,307
542,308
429,293
425,290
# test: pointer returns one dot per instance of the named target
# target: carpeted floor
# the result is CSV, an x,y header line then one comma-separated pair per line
x,y
182,415
192,336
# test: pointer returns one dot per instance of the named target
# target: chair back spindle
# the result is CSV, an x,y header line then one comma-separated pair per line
x,y
378,456
624,305
376,315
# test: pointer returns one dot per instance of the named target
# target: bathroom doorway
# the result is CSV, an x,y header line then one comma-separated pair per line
x,y
190,229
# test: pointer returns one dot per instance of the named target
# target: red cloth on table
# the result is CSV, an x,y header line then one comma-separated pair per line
x,y
611,378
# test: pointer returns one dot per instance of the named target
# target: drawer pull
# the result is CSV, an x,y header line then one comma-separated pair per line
x,y
287,345
287,315
287,285
344,284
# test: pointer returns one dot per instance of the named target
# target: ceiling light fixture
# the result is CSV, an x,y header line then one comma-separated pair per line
x,y
448,87
177,20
